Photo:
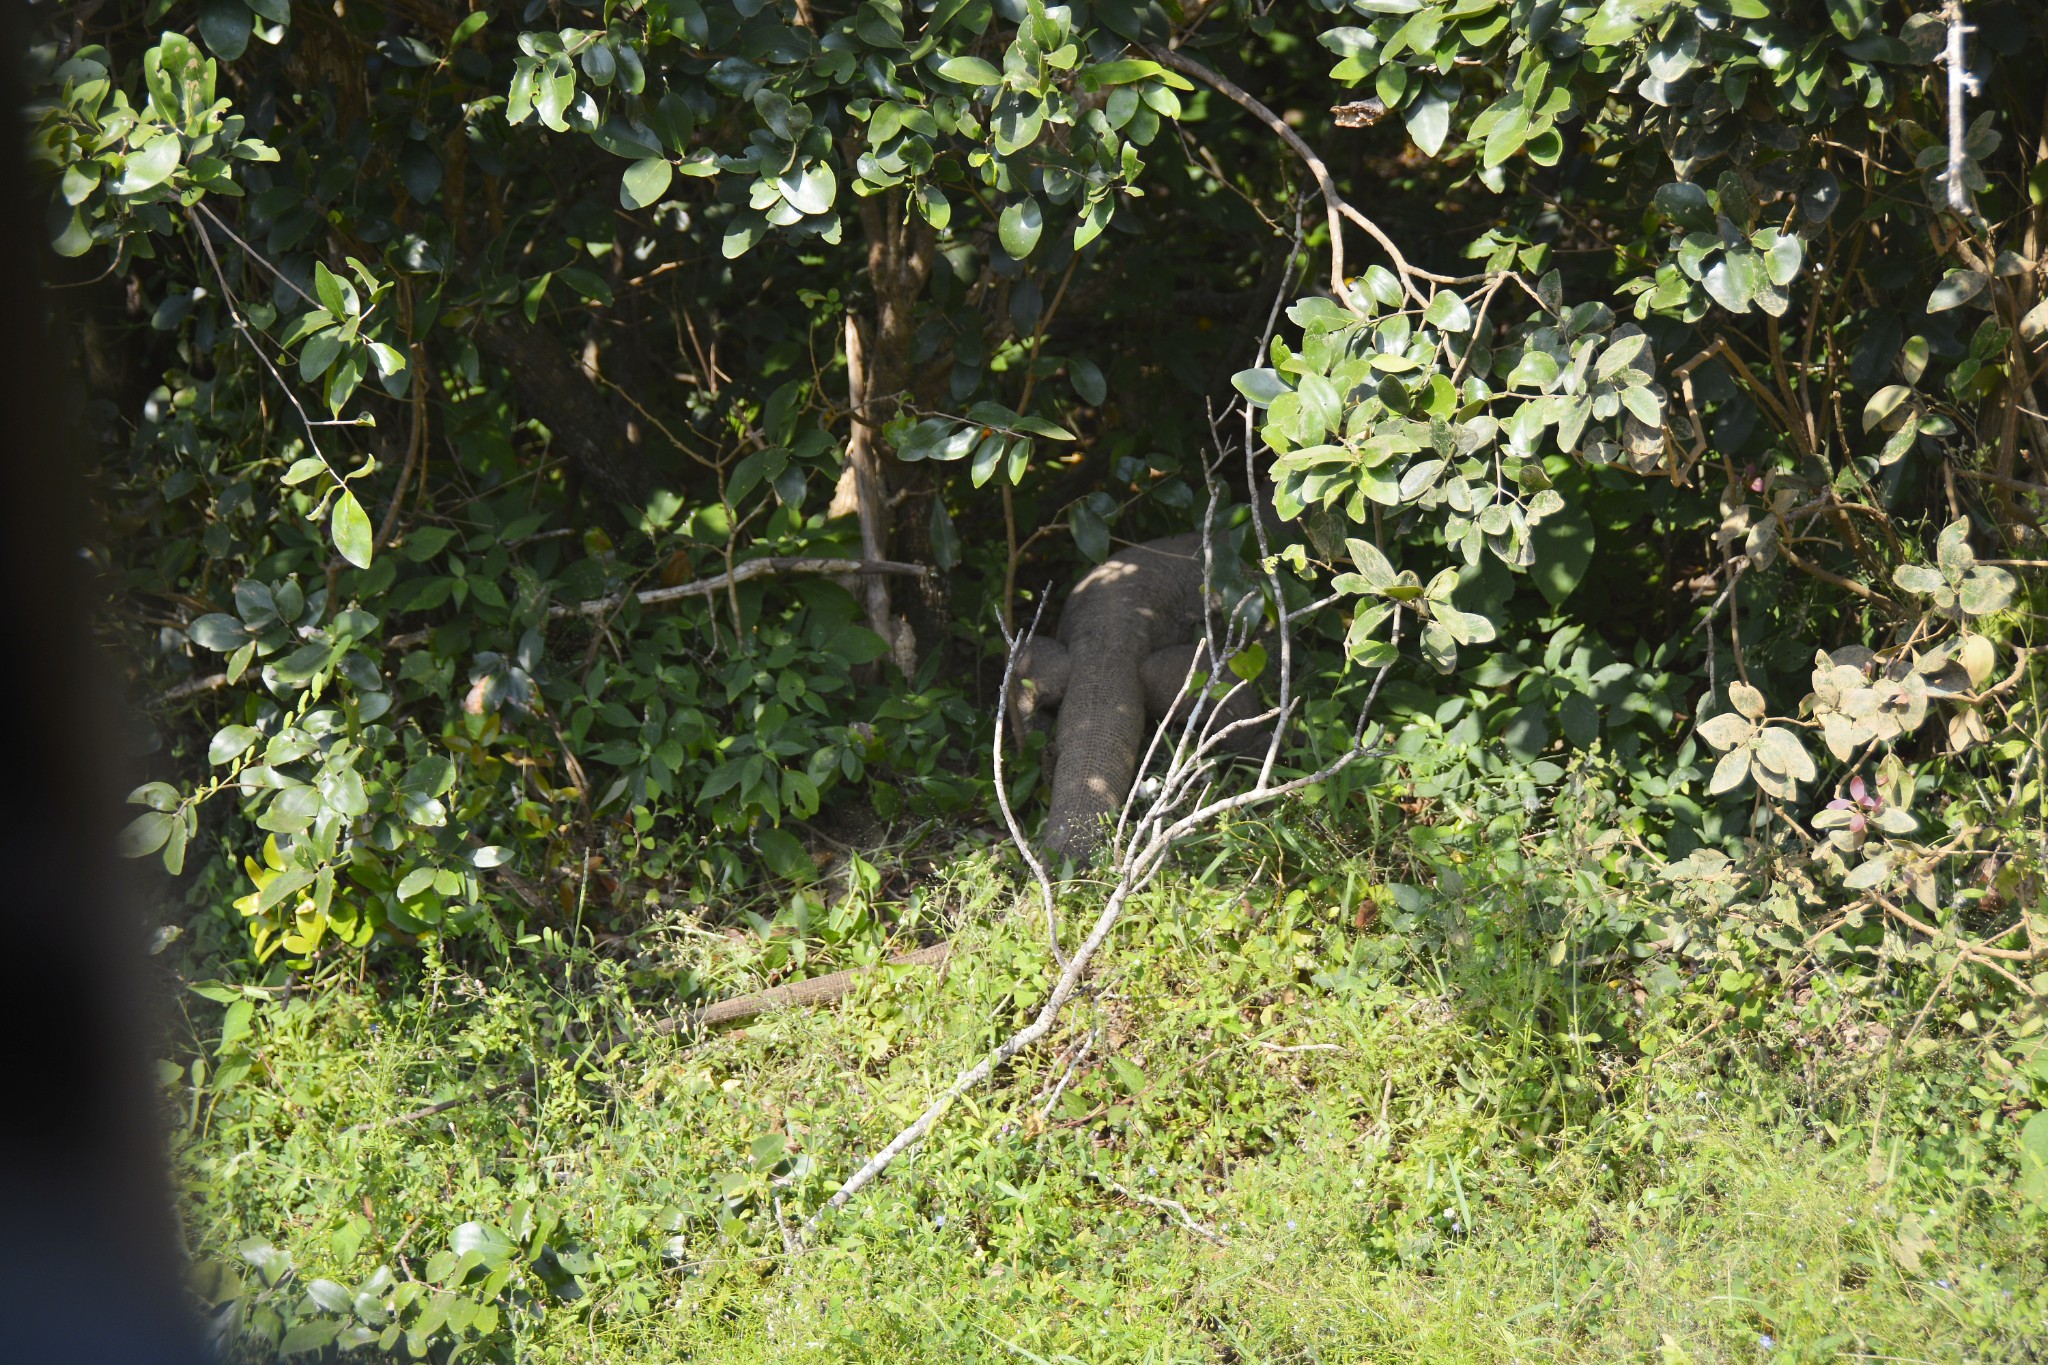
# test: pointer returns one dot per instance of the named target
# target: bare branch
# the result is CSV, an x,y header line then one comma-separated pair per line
x,y
1073,1066
1016,645
1335,208
1960,86
1172,1206
771,567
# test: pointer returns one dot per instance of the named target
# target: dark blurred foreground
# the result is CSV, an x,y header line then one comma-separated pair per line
x,y
89,1262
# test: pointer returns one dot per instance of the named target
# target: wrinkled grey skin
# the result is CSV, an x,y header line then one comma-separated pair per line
x,y
1126,640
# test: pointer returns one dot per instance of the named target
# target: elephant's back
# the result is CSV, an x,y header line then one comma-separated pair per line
x,y
1140,598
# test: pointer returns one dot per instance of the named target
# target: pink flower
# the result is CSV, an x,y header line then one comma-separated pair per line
x,y
1861,799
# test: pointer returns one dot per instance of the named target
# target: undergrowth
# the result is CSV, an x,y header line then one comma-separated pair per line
x,y
1309,1111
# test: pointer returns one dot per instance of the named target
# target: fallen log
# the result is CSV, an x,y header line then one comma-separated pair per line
x,y
816,990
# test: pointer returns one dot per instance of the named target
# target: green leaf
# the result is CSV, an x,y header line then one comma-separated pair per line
x,y
1420,478
945,539
218,632
1883,403
784,855
318,355
1449,313
146,834
1260,387
1383,285
390,360
970,71
1919,578
308,467
554,91
1321,409
987,457
809,189
934,206
1644,405
1619,355
1579,717
1091,532
1506,136
1535,370
1372,564
1086,377
150,166
991,414
1564,543
1093,220
1986,591
645,182
1250,662
1735,279
1527,733
224,26
1429,120
337,295
742,234
230,743
1684,205
1439,646
1038,426
1018,122
1731,772
314,1335
1783,255
1103,75
1957,288
1020,227
1466,627
76,238
351,530
468,28
1851,17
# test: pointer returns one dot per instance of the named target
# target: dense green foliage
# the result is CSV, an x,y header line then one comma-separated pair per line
x,y
1650,388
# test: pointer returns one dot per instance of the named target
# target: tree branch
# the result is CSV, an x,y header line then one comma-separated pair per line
x,y
1334,206
773,566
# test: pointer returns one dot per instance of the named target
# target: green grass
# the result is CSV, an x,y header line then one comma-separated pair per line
x,y
1406,1156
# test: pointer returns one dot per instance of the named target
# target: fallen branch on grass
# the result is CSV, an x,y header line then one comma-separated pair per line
x,y
1172,1206
816,990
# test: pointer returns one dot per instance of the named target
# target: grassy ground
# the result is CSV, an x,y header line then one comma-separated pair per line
x,y
1381,1152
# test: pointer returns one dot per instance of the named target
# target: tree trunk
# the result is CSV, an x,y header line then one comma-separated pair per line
x,y
861,489
900,254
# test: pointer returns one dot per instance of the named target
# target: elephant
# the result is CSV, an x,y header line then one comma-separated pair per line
x,y
1127,636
